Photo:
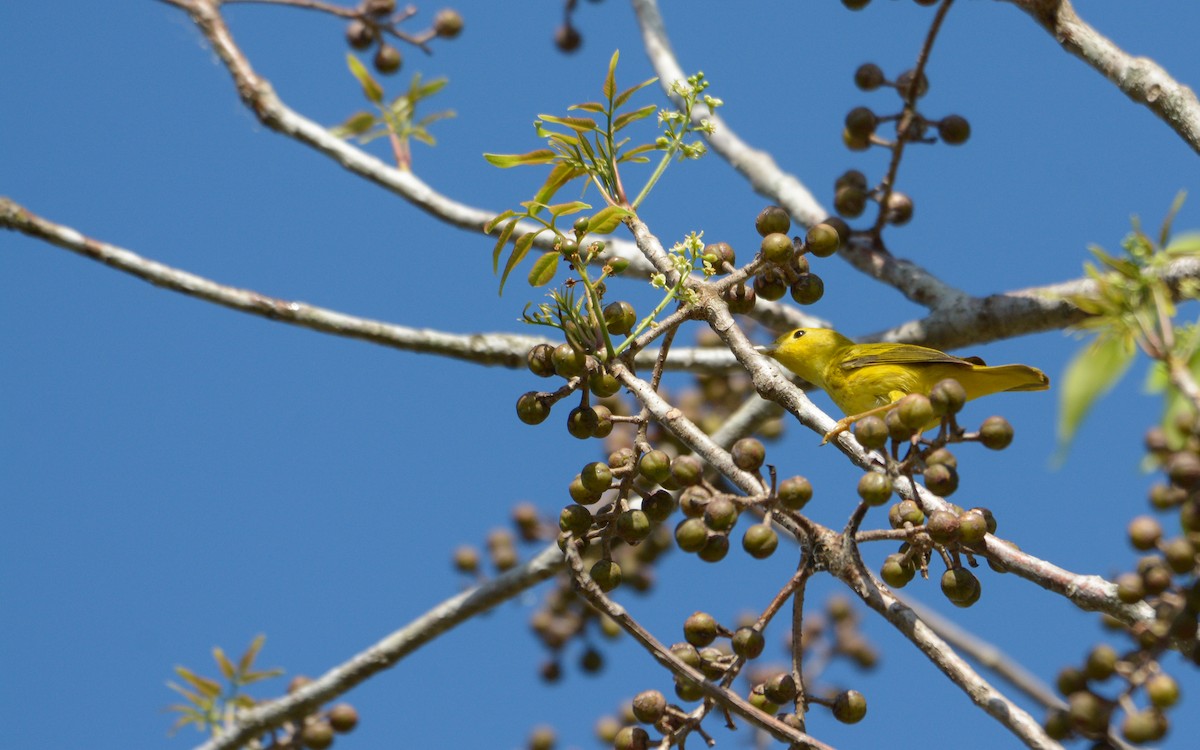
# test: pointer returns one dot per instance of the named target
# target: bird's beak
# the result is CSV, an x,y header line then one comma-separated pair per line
x,y
767,350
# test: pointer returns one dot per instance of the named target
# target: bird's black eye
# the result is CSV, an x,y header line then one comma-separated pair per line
x,y
797,334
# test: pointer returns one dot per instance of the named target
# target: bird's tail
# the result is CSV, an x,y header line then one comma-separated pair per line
x,y
1021,377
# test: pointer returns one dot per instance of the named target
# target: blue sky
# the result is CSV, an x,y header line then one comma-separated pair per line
x,y
176,475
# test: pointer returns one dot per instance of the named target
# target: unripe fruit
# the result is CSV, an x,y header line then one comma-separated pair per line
x,y
770,284
720,514
855,4
1162,690
1144,533
915,411
1183,467
603,384
387,59
850,201
540,360
1180,555
606,574
905,511
1088,712
899,209
942,527
568,361
447,23
687,470
1130,588
740,298
869,77
954,130
748,454
871,432
941,479
466,559
808,289
861,122
715,548
658,506
631,738
620,318
317,735
567,38
771,220
996,433
1142,726
777,248
633,526
720,253
905,85
794,493
822,240
947,397
960,586
655,466
896,571
343,718
1101,663
849,707
748,643
360,35
649,706
841,227
875,488
575,519
596,477
700,629
582,422
759,541
972,527
780,689
531,409
1070,680
691,535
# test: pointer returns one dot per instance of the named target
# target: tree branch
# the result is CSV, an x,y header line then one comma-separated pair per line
x,y
257,94
389,651
767,179
1142,79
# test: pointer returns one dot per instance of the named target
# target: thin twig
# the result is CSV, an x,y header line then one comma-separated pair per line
x,y
389,651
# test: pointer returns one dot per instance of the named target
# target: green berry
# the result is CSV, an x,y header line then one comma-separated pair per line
x,y
772,220
794,493
777,248
875,488
822,240
531,409
759,541
849,707
996,433
606,574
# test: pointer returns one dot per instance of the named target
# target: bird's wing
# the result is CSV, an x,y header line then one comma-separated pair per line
x,y
901,354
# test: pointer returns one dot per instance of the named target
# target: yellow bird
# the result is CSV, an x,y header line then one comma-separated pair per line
x,y
865,379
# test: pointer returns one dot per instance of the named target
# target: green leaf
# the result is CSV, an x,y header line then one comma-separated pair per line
x,y
247,659
250,678
624,95
1164,234
226,666
504,161
637,114
491,224
544,269
520,250
1123,266
207,687
578,124
607,219
610,80
559,176
1185,245
357,124
1093,371
193,697
501,242
370,87
566,209
596,107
